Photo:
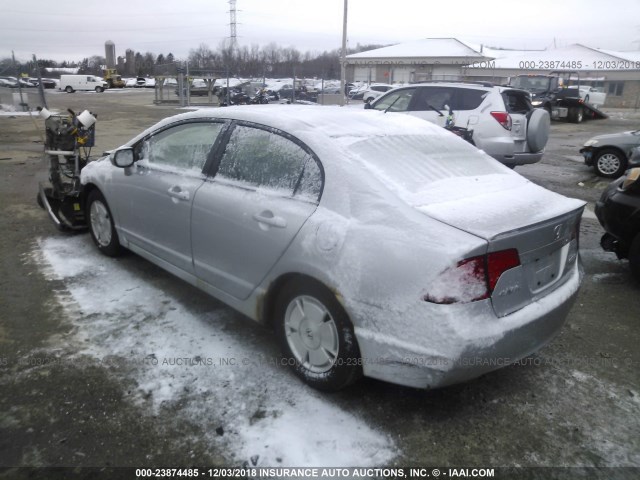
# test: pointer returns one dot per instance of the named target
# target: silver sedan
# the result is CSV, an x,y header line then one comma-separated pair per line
x,y
372,244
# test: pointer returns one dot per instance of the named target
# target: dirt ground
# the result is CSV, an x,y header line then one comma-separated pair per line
x,y
574,404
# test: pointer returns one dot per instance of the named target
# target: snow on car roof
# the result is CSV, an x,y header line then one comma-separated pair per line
x,y
308,121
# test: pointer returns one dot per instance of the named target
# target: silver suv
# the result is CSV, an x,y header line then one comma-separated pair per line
x,y
499,120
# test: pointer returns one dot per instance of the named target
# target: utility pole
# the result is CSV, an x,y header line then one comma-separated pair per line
x,y
233,39
13,58
343,55
40,86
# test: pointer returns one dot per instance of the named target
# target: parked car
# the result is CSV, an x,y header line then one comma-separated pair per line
x,y
593,95
390,248
503,122
618,211
10,82
375,90
13,82
357,92
144,82
610,154
48,83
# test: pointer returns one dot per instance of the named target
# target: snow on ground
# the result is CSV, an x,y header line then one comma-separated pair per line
x,y
263,414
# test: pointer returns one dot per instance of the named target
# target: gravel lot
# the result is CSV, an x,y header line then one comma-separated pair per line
x,y
71,394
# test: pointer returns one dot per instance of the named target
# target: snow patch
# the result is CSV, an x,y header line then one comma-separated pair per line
x,y
254,408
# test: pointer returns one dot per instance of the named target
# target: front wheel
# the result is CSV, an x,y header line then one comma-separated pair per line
x,y
101,225
316,336
610,163
68,89
99,89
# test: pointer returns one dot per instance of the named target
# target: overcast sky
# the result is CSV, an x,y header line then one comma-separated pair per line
x,y
72,30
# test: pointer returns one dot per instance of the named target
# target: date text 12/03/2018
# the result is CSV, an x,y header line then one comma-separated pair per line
x,y
578,64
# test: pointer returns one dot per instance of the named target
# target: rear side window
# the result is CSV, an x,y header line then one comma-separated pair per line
x,y
259,158
469,98
429,98
516,102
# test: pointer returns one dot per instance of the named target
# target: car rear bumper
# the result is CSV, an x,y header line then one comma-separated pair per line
x,y
487,343
519,158
504,150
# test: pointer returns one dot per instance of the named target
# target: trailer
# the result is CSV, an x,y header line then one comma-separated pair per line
x,y
559,94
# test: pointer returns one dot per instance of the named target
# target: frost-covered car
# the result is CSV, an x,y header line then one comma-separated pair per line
x,y
611,154
499,120
390,249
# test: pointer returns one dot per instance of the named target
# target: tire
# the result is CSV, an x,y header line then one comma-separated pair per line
x,y
369,100
610,163
634,257
576,114
316,336
101,225
538,127
99,89
68,89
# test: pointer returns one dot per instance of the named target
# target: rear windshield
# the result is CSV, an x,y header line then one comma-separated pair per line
x,y
409,163
517,101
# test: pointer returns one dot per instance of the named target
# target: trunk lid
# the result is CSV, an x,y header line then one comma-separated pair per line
x,y
508,211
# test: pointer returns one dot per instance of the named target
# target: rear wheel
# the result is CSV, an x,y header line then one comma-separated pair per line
x,y
576,114
101,225
610,163
316,336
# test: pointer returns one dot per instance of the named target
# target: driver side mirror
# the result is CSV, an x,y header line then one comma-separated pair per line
x,y
122,158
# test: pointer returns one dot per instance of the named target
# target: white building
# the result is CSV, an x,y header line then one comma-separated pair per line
x,y
618,73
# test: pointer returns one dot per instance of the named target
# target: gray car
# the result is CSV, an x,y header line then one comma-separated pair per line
x,y
390,249
612,154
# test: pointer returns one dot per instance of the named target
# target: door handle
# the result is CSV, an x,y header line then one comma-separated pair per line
x,y
268,218
177,192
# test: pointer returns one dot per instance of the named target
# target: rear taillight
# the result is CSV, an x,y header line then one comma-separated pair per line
x,y
472,279
500,262
503,118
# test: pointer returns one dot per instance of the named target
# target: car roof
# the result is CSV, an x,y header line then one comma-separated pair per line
x,y
313,124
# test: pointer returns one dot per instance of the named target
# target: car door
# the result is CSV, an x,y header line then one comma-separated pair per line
x,y
153,198
264,187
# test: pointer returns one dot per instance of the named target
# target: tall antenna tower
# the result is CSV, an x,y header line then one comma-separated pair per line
x,y
232,24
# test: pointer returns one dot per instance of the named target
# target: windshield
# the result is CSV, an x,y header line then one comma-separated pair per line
x,y
532,84
408,164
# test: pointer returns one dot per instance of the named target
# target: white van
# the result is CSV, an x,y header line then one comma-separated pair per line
x,y
71,83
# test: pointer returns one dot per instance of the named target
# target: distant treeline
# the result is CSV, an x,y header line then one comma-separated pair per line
x,y
270,60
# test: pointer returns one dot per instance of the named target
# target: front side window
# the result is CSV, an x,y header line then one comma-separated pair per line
x,y
397,101
184,146
433,98
259,158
